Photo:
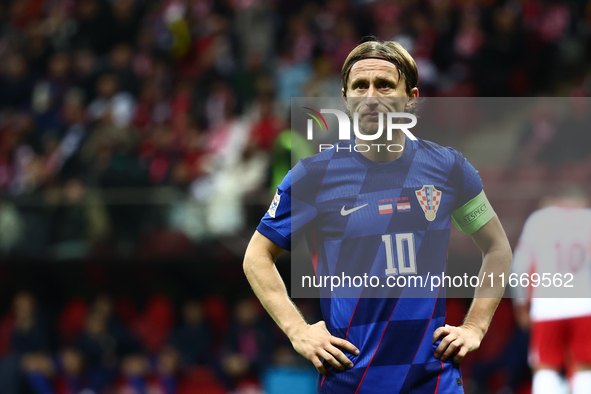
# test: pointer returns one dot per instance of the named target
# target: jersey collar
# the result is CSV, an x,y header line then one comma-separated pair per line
x,y
404,160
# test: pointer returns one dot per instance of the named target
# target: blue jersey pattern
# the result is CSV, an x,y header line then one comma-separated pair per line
x,y
394,334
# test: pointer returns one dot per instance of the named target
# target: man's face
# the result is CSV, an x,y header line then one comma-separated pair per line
x,y
376,86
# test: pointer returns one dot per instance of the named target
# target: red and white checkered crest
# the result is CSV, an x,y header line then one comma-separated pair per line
x,y
429,198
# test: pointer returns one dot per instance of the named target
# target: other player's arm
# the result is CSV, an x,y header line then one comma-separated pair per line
x,y
311,341
524,259
496,251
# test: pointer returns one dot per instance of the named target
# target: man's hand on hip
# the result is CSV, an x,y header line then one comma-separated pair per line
x,y
315,342
456,341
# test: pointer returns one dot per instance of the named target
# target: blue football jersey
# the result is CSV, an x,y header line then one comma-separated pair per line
x,y
393,218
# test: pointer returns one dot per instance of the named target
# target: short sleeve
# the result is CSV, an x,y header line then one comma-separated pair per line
x,y
288,216
472,210
471,183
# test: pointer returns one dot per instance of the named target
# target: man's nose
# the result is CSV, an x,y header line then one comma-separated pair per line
x,y
372,98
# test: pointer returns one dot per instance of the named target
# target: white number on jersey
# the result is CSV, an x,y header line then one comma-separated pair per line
x,y
407,239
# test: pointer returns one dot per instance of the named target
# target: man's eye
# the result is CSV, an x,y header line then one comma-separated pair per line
x,y
385,85
361,86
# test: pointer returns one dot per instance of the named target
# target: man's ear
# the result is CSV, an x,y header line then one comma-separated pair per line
x,y
412,98
344,96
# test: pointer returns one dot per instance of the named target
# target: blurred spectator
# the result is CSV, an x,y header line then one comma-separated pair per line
x,y
501,54
16,82
80,223
72,377
85,72
93,26
324,79
11,227
110,104
268,125
72,133
39,371
26,339
99,349
123,94
120,63
291,77
135,371
556,135
286,377
137,377
192,340
126,343
569,142
30,333
249,343
167,371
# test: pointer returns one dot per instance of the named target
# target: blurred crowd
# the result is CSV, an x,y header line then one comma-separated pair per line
x,y
99,97
138,129
107,346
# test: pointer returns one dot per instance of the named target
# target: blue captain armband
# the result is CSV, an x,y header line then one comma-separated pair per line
x,y
473,215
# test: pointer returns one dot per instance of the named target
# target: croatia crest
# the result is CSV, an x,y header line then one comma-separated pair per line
x,y
429,198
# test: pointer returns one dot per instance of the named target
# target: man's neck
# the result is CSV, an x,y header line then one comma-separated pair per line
x,y
380,153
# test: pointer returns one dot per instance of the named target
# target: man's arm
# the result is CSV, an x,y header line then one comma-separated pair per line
x,y
496,252
311,341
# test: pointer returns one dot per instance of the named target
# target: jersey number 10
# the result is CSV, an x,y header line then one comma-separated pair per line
x,y
404,267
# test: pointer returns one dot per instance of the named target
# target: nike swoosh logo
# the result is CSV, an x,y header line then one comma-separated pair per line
x,y
345,212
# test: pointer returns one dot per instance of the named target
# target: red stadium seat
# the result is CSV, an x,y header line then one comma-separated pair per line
x,y
6,329
126,311
154,325
217,313
72,319
201,380
456,309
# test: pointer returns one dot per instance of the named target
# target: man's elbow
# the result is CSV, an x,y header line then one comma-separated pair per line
x,y
253,258
501,250
506,252
507,247
248,264
259,258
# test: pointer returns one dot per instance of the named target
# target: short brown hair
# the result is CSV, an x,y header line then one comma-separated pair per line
x,y
390,50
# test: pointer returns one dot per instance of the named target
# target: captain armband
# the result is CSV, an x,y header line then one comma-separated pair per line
x,y
473,215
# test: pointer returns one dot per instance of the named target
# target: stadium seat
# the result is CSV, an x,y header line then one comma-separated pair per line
x,y
72,319
217,313
126,311
201,380
155,323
